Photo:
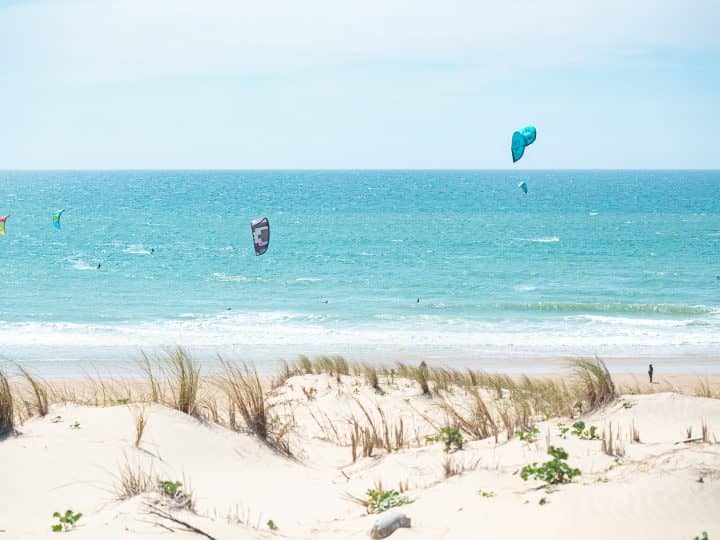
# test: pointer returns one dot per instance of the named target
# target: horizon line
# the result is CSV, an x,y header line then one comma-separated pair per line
x,y
344,169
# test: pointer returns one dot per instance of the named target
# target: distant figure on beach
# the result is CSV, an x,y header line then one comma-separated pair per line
x,y
651,370
99,265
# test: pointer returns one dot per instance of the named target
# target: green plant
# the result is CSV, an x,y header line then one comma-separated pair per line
x,y
543,501
484,493
75,425
555,471
178,496
271,525
379,500
563,430
169,488
123,401
449,436
66,521
703,536
57,419
528,435
579,430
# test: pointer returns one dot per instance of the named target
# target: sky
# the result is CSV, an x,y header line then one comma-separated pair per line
x,y
352,84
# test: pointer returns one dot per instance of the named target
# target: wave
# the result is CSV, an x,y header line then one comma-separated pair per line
x,y
288,333
136,249
308,279
525,288
541,240
583,307
83,265
222,276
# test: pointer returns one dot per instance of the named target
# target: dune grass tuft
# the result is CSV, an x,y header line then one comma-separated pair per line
x,y
184,380
39,391
595,382
7,412
140,418
133,480
245,393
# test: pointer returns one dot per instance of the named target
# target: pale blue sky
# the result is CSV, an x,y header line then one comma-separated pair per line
x,y
358,84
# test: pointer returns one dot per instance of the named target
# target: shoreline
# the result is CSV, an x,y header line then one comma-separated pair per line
x,y
125,363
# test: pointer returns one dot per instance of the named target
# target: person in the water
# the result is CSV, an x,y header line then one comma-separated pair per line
x,y
152,250
99,265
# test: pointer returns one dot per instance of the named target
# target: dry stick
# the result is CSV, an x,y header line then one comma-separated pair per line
x,y
154,510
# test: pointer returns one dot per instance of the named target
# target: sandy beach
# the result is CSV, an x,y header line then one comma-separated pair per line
x,y
648,455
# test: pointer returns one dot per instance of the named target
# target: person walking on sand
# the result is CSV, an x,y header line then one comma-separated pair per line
x,y
650,372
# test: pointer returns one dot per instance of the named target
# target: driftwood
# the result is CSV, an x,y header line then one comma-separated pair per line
x,y
164,514
695,439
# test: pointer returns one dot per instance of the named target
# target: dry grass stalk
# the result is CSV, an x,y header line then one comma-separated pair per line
x,y
418,374
704,430
596,384
371,376
7,412
478,422
133,480
607,441
304,365
688,432
634,433
140,419
450,467
39,390
703,388
508,421
183,380
156,394
245,394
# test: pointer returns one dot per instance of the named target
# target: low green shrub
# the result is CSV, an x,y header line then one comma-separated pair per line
x,y
555,471
66,521
450,437
528,435
379,500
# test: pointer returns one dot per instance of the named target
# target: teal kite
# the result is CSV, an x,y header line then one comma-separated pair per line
x,y
56,218
522,185
520,139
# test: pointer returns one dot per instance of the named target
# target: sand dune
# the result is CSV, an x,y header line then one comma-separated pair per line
x,y
655,488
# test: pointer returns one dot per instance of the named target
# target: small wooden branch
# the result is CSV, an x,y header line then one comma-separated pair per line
x,y
154,510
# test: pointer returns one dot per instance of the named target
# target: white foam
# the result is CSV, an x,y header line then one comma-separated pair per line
x,y
221,276
541,240
525,288
136,249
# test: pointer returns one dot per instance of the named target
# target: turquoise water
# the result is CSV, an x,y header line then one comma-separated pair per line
x,y
618,263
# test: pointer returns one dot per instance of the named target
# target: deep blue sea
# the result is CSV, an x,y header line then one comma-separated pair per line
x,y
614,263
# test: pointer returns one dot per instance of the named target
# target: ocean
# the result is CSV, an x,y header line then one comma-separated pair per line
x,y
608,263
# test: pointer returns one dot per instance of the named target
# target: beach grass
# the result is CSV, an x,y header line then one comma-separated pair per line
x,y
7,412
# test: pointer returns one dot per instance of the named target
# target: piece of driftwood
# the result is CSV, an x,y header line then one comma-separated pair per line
x,y
160,512
388,524
696,439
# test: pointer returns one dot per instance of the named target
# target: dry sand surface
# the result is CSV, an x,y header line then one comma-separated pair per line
x,y
655,488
